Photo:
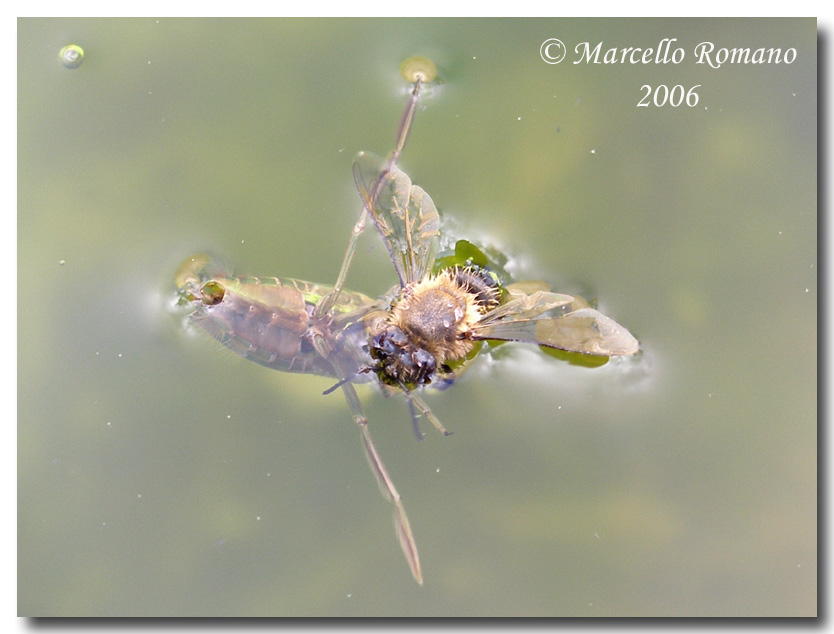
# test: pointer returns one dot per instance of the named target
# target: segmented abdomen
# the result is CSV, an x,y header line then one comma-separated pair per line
x,y
272,322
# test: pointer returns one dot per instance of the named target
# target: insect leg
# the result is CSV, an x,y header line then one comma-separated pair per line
x,y
403,131
327,302
386,485
426,411
414,420
407,120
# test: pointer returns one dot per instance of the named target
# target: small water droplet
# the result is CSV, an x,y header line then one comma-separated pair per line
x,y
71,56
62,262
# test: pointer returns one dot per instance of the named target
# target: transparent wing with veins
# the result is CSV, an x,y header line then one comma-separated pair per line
x,y
404,215
558,321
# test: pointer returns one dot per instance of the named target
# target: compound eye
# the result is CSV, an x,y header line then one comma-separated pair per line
x,y
397,338
425,361
380,346
388,344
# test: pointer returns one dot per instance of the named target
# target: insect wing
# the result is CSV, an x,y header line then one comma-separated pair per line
x,y
557,321
404,214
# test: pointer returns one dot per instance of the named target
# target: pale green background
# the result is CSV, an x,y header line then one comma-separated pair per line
x,y
159,475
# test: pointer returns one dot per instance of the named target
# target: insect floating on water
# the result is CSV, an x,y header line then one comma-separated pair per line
x,y
422,332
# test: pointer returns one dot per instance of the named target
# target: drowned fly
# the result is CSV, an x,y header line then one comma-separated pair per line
x,y
422,332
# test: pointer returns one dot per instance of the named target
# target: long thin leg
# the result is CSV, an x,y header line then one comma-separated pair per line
x,y
386,485
403,130
414,421
426,411
327,302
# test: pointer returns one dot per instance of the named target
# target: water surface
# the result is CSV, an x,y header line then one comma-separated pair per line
x,y
159,475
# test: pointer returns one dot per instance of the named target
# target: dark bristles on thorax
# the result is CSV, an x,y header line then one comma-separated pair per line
x,y
478,281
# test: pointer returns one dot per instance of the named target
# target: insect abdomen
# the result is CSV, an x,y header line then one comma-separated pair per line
x,y
266,323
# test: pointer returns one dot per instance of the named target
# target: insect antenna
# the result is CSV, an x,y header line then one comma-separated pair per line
x,y
348,379
340,383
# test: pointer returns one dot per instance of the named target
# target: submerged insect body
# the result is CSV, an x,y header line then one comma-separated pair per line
x,y
418,334
272,321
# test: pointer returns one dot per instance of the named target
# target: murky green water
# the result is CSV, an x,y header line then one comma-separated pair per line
x,y
159,475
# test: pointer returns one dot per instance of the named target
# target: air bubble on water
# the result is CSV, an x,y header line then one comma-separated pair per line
x,y
71,56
